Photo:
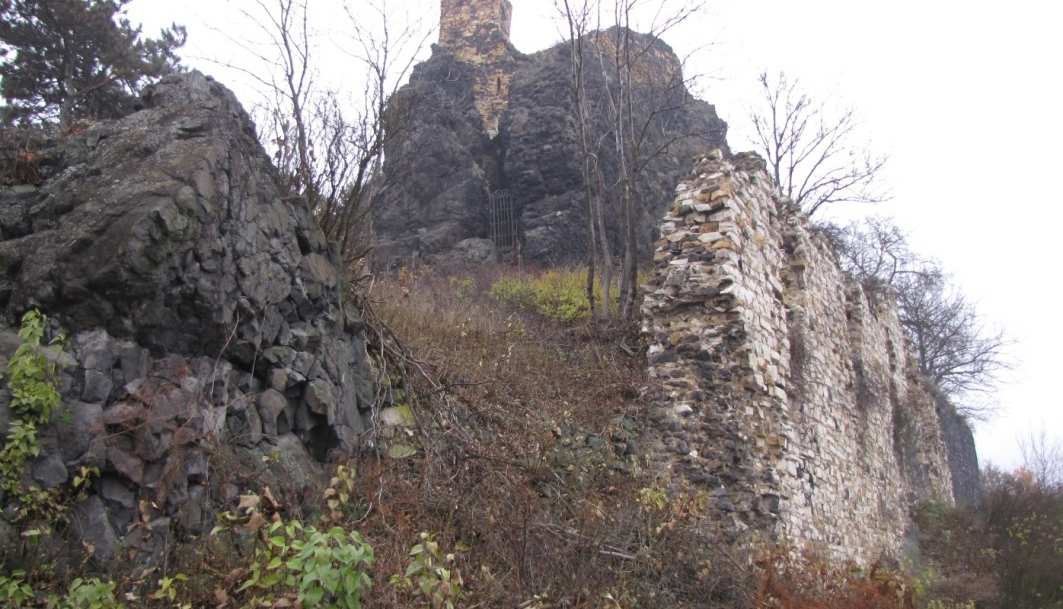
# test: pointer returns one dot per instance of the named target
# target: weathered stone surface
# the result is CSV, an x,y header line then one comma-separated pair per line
x,y
291,456
189,280
90,523
271,407
783,385
49,471
963,457
483,117
97,386
319,397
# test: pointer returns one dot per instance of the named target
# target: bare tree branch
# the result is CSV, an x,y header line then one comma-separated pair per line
x,y
812,156
953,347
330,147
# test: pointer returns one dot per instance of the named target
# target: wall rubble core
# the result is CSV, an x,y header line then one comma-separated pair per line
x,y
779,382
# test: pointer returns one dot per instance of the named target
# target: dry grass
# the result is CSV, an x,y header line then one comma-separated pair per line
x,y
528,470
529,462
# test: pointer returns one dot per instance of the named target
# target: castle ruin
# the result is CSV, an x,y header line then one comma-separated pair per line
x,y
783,385
477,32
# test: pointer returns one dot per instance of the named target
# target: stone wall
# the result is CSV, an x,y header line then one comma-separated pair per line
x,y
779,382
477,32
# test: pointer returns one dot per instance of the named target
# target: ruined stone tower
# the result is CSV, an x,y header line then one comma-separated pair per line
x,y
465,22
477,32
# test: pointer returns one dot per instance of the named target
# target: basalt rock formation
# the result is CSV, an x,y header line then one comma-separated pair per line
x,y
783,386
202,308
479,117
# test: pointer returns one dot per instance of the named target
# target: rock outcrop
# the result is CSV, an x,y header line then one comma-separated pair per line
x,y
462,140
202,305
782,385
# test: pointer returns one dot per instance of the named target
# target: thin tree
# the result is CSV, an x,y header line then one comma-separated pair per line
x,y
68,59
330,147
637,104
813,155
577,18
632,108
1042,458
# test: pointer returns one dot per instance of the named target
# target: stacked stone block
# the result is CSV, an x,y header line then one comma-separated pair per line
x,y
779,383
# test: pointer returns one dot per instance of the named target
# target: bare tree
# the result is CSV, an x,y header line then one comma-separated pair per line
x,y
875,251
634,103
330,146
577,16
954,348
637,102
1042,458
813,155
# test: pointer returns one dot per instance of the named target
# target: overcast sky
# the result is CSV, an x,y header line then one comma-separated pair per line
x,y
963,95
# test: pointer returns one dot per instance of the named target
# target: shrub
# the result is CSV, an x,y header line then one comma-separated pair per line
x,y
339,494
14,591
33,381
559,294
326,569
90,593
813,582
1024,519
514,290
1007,553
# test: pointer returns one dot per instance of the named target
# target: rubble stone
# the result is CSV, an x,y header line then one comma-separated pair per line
x,y
811,419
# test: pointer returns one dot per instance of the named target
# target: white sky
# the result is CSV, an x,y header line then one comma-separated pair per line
x,y
963,95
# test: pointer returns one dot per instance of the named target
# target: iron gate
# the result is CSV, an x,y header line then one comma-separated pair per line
x,y
503,221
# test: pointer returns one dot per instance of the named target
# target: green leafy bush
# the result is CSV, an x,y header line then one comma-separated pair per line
x,y
31,377
514,290
14,591
33,381
559,294
326,569
464,287
90,593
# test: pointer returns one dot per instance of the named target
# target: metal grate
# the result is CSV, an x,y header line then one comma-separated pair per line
x,y
503,221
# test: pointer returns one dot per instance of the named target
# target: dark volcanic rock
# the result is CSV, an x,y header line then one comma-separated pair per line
x,y
187,277
441,167
440,177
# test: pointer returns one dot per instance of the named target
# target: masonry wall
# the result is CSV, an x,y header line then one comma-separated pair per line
x,y
780,384
477,32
